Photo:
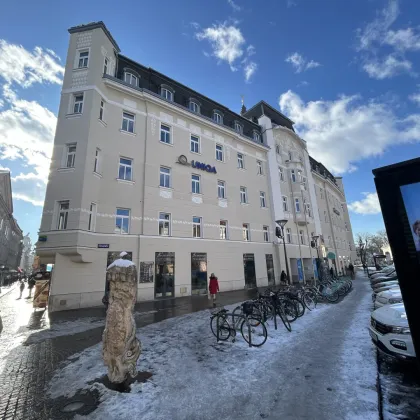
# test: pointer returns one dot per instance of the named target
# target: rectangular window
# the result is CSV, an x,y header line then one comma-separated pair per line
x,y
97,162
1,224
78,103
92,217
167,94
266,234
195,184
290,155
196,231
164,224
281,174
221,191
125,170
244,198
293,175
165,134
63,214
325,216
245,232
240,161
308,210
262,199
259,167
238,127
302,237
329,241
285,205
165,177
289,235
194,107
71,155
217,118
122,221
304,183
223,229
346,226
6,232
83,59
127,122
257,137
106,65
101,110
297,205
342,208
195,144
219,152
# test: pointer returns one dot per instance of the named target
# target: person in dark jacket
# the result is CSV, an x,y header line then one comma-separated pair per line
x,y
31,284
283,277
351,269
213,287
332,272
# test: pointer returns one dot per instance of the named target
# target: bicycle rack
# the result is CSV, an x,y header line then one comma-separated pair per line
x,y
233,315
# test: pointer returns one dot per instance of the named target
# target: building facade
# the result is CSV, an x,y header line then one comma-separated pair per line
x,y
27,254
10,232
146,165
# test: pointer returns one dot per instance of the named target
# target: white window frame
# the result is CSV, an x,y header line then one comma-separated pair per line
x,y
238,127
223,230
325,216
281,174
1,224
194,106
83,62
195,184
78,103
92,217
289,154
125,166
130,77
62,214
167,94
260,167
302,237
217,117
129,120
164,221
246,232
70,155
263,201
241,161
195,141
285,202
308,209
346,226
221,189
166,130
321,192
97,161
6,232
197,227
101,109
293,175
289,236
122,217
266,234
297,205
243,195
257,136
106,65
304,182
166,176
219,152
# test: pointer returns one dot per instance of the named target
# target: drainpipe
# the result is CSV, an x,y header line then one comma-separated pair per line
x,y
332,228
307,232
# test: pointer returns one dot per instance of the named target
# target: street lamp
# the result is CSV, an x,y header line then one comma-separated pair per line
x,y
282,223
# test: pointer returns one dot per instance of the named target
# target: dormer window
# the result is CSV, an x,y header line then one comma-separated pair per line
x,y
194,106
238,127
167,92
218,117
131,79
257,136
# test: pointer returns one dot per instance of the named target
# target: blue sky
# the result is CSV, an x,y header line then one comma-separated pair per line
x,y
348,74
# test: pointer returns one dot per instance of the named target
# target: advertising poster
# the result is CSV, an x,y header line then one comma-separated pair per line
x,y
411,198
300,269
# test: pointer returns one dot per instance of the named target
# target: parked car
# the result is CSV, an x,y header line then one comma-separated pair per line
x,y
388,284
384,272
390,332
380,279
388,297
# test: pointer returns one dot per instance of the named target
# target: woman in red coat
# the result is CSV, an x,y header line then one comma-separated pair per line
x,y
213,287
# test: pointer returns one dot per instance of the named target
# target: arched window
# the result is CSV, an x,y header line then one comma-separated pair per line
x,y
167,92
257,136
194,105
217,117
238,127
131,78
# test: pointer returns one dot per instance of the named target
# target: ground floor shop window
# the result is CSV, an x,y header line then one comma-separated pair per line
x,y
270,269
111,257
249,271
198,273
165,274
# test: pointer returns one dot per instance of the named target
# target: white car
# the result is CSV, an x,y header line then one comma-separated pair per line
x,y
388,297
383,272
390,332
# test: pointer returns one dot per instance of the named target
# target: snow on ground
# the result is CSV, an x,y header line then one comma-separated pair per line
x,y
190,370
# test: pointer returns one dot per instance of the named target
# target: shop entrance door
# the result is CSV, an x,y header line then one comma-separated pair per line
x,y
165,274
198,273
249,271
270,269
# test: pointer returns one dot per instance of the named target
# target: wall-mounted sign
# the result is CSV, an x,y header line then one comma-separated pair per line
x,y
331,255
103,245
146,271
336,211
182,159
42,238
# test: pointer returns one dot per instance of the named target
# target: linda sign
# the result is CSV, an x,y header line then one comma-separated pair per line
x,y
195,164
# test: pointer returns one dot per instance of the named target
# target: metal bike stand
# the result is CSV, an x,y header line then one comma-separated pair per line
x,y
227,314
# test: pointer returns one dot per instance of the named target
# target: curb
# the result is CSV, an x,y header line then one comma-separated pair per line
x,y
10,290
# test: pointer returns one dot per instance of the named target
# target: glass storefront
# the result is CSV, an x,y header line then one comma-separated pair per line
x,y
165,274
111,257
198,273
270,269
249,271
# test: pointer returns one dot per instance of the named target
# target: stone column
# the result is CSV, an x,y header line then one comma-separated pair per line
x,y
121,348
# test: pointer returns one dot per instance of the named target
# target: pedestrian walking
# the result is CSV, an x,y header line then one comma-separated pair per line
x,y
31,284
213,287
21,287
283,277
351,269
331,272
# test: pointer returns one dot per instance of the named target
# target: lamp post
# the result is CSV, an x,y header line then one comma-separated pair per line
x,y
282,223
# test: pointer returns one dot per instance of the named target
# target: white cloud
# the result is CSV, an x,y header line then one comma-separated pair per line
x,y
415,97
291,3
386,68
249,70
29,187
24,68
344,131
367,205
302,83
195,25
403,39
300,63
250,50
234,6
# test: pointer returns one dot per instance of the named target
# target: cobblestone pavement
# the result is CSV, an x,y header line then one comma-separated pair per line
x,y
29,356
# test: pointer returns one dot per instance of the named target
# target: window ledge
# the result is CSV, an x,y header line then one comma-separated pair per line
x,y
264,208
102,122
125,181
222,199
195,153
244,204
197,194
128,133
66,169
97,174
81,68
220,161
166,144
79,114
241,169
166,188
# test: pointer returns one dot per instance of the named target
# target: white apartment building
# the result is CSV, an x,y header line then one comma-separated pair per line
x,y
146,165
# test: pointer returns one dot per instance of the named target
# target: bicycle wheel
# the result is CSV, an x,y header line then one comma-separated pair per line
x,y
289,309
299,306
224,328
284,319
332,296
255,335
309,302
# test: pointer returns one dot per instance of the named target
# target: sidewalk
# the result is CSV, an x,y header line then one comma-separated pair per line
x,y
6,289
